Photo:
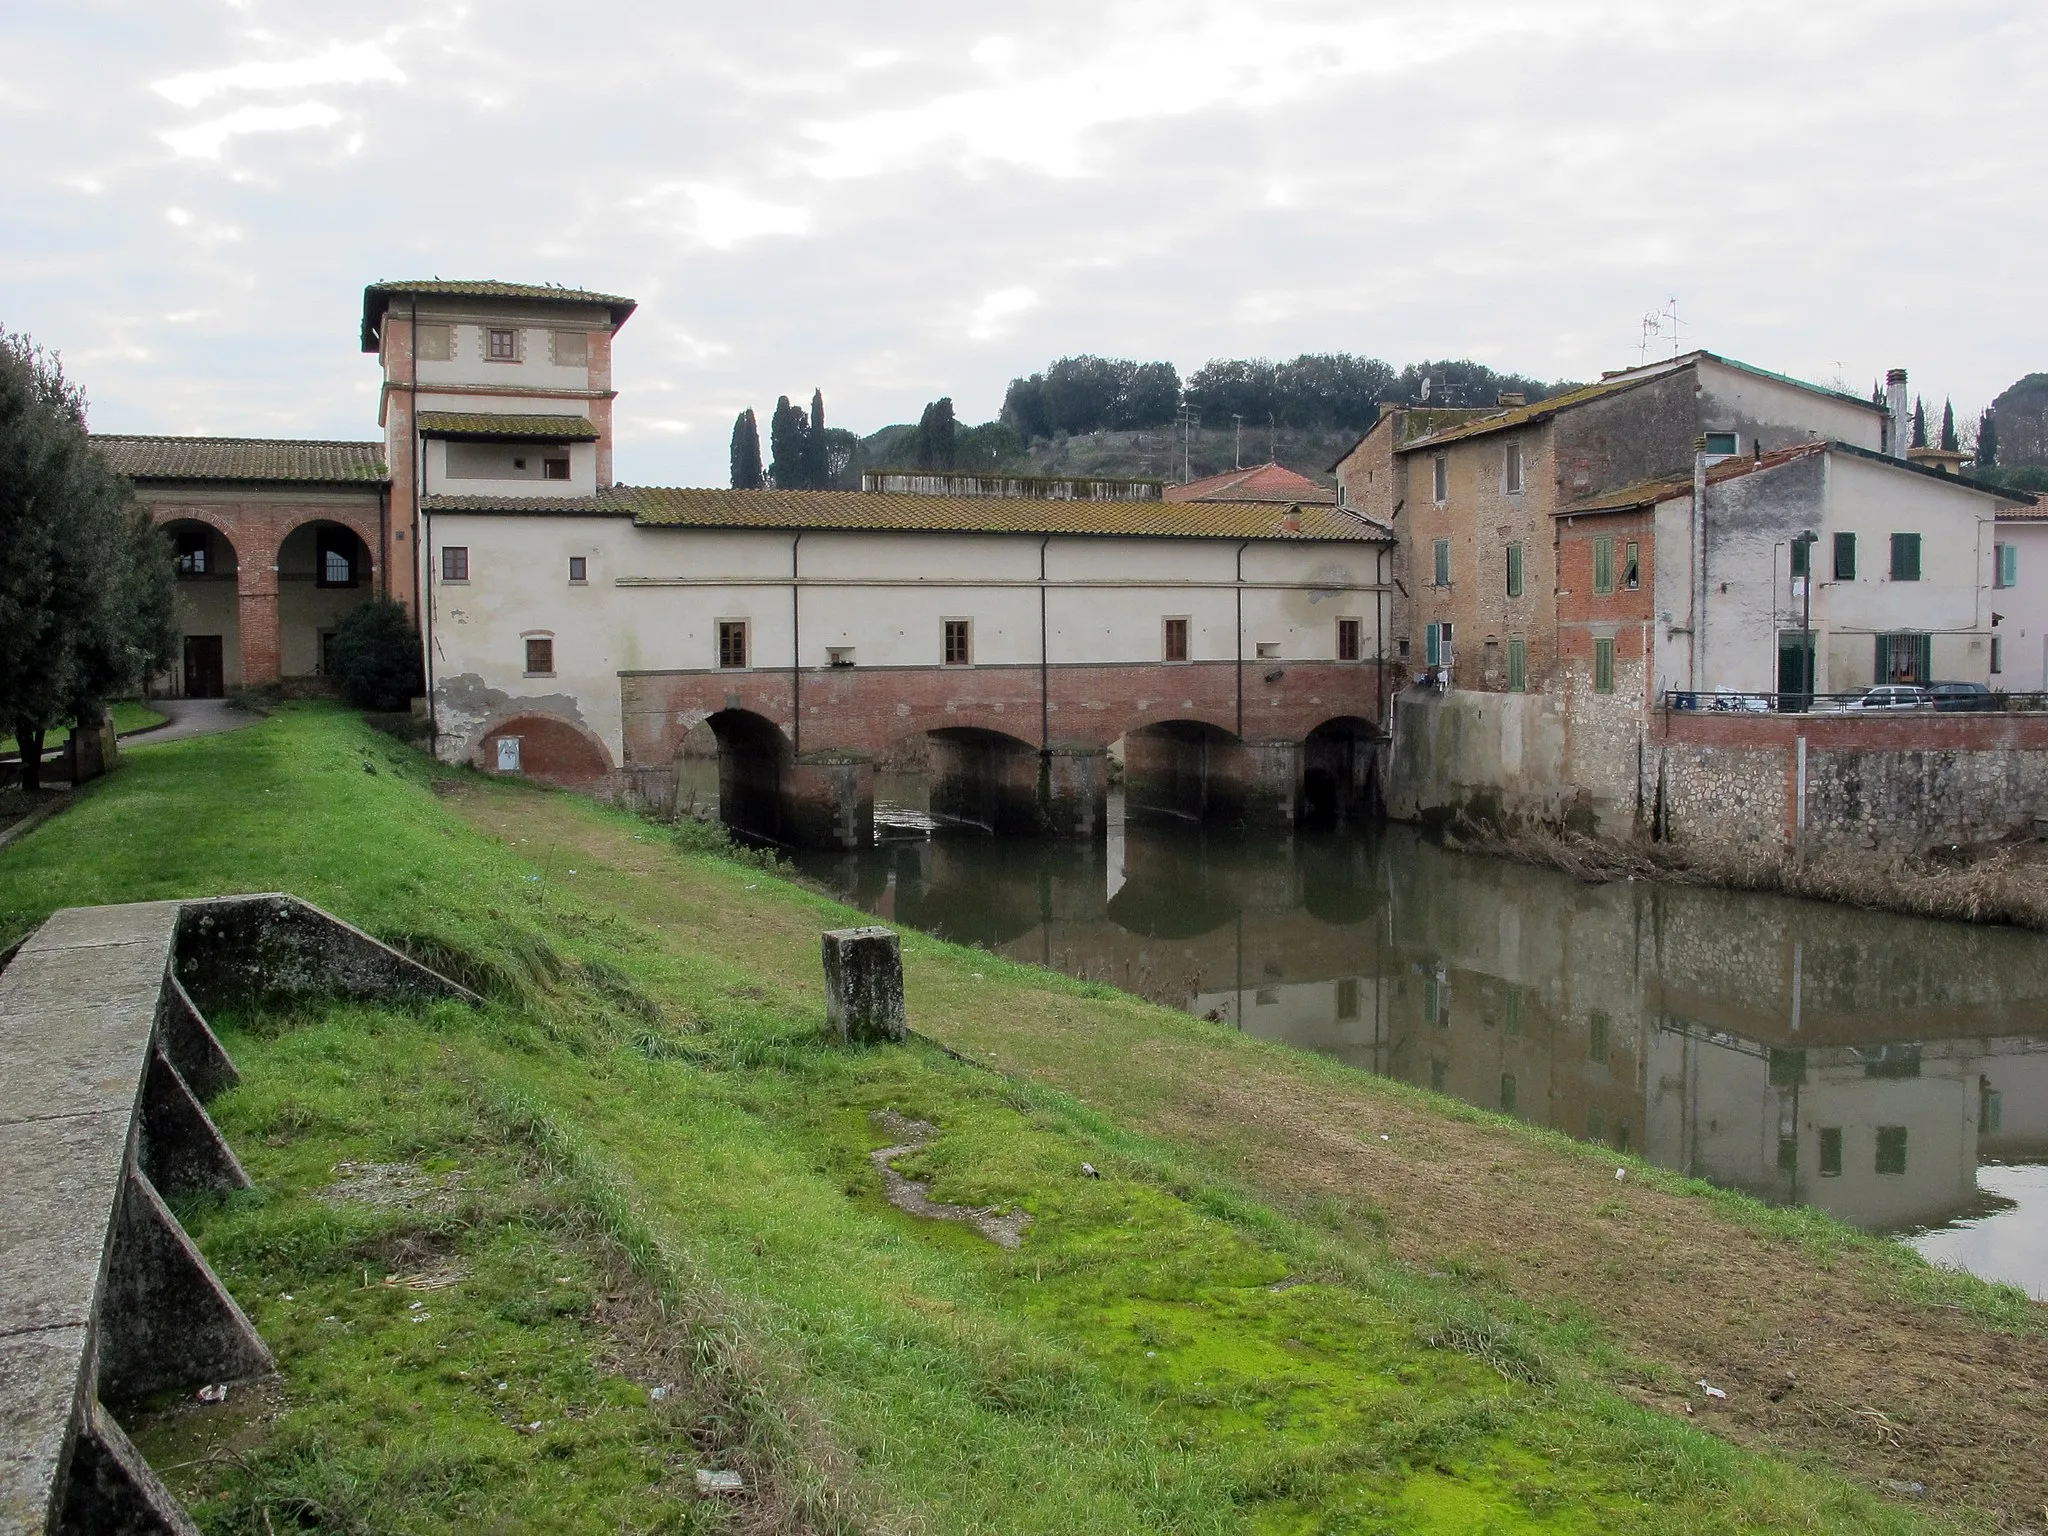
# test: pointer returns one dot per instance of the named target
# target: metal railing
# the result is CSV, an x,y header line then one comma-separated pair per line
x,y
1863,701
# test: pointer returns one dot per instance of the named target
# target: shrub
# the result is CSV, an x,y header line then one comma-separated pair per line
x,y
375,656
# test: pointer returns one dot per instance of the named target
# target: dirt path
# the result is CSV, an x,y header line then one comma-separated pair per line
x,y
1823,1357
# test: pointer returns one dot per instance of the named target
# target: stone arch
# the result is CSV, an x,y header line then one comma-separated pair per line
x,y
1182,770
208,608
325,569
984,778
551,749
754,762
1340,771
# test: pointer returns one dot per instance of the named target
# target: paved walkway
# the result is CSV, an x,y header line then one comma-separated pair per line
x,y
190,717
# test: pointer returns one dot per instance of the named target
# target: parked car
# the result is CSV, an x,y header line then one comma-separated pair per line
x,y
1888,698
1970,696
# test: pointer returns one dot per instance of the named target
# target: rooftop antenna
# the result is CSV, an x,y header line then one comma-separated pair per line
x,y
1188,418
1659,323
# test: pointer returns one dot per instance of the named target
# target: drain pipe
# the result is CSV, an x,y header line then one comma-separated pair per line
x,y
1240,641
1044,659
796,676
1698,616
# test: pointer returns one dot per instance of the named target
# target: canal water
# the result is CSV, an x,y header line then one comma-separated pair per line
x,y
1889,1070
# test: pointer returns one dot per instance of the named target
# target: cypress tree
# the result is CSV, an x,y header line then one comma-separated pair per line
x,y
1987,440
787,430
746,452
1919,423
1949,442
938,435
817,463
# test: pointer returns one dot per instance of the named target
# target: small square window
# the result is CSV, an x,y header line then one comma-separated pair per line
x,y
1175,647
1350,639
554,469
1723,444
579,568
540,656
455,562
839,655
732,643
1267,650
503,346
959,639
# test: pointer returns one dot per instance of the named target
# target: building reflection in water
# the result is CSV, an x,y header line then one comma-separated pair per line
x,y
1860,1062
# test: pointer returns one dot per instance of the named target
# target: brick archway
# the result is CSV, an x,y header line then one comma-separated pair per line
x,y
552,750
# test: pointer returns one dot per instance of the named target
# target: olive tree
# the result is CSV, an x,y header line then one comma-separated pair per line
x,y
86,581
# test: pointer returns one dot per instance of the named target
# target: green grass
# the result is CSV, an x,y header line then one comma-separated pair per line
x,y
630,1115
129,715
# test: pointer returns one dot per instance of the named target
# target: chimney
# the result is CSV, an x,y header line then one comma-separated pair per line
x,y
1512,398
1290,520
1901,425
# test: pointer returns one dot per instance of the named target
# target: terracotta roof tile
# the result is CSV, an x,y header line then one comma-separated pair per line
x,y
377,296
868,512
243,458
474,424
1262,482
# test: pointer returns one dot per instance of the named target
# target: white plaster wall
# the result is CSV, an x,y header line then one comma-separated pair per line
x,y
1730,396
582,479
2025,607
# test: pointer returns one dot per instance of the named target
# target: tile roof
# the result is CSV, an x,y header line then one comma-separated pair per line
x,y
459,424
1646,493
377,296
1262,482
868,512
1524,415
244,458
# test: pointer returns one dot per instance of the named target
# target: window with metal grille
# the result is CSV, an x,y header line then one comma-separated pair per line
x,y
1603,666
1845,557
1515,570
579,568
1905,557
455,562
959,643
732,642
334,554
1443,562
1349,639
503,347
1603,566
1904,658
1440,476
540,655
1518,664
1176,640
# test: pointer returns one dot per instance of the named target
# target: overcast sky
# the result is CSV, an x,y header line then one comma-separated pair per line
x,y
901,200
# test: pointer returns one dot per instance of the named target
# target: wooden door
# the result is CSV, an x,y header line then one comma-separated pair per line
x,y
205,678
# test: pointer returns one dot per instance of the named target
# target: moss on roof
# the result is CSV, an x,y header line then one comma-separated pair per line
x,y
377,296
869,512
475,424
244,458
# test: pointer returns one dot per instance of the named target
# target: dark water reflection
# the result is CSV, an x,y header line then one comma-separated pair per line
x,y
1866,1064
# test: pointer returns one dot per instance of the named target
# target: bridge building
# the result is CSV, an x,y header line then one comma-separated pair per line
x,y
577,631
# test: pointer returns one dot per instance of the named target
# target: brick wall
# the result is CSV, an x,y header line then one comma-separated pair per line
x,y
551,751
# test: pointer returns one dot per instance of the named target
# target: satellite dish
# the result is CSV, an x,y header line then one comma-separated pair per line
x,y
1425,388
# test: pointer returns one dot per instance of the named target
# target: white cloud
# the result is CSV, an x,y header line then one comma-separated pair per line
x,y
205,141
997,313
723,217
342,64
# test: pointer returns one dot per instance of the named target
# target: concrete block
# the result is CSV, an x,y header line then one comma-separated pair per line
x,y
181,1149
64,1176
274,946
42,1381
166,1321
864,985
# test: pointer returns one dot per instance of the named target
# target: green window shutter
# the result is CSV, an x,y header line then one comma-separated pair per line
x,y
2008,565
1845,557
1514,570
1603,565
1802,558
1430,652
1443,562
1905,557
1518,665
1603,666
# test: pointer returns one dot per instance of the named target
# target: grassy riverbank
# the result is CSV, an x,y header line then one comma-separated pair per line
x,y
1296,1299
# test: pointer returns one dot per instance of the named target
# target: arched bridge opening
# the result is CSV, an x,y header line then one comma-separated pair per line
x,y
1340,773
753,775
